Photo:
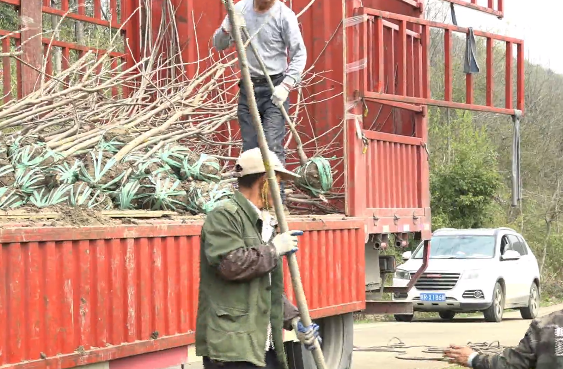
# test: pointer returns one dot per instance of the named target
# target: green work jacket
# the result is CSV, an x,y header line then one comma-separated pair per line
x,y
233,317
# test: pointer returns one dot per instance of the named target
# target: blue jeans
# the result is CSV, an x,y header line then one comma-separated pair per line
x,y
271,117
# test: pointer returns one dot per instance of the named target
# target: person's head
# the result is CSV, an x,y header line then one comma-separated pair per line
x,y
253,181
263,5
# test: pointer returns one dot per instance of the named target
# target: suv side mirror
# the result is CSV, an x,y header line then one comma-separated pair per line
x,y
407,255
510,255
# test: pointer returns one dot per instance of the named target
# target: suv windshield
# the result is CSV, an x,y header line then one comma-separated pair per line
x,y
459,247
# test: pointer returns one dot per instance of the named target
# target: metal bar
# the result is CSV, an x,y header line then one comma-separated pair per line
x,y
380,55
32,56
9,34
402,62
274,187
388,137
388,307
114,90
396,104
82,7
49,64
81,17
508,78
97,9
425,62
11,2
501,6
6,71
366,79
448,69
395,27
400,17
65,61
413,3
490,72
469,88
473,5
520,93
444,104
80,48
64,5
416,276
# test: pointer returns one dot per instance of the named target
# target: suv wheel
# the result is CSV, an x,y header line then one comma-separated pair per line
x,y
447,315
404,318
496,310
531,311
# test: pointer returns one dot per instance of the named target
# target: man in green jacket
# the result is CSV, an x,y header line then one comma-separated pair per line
x,y
242,307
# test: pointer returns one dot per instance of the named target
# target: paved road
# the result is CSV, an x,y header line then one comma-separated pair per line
x,y
433,333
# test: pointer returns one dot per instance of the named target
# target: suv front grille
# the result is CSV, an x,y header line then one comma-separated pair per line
x,y
436,281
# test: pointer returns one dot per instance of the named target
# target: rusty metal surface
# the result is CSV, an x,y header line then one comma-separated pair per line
x,y
72,296
388,307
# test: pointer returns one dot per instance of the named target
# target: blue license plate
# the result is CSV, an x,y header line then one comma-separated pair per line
x,y
437,297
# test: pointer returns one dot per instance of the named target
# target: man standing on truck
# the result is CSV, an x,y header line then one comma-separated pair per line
x,y
242,307
541,348
276,36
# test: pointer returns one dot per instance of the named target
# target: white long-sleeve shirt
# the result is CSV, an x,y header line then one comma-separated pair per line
x,y
275,35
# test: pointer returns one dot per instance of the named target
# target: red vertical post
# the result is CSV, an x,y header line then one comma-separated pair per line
x,y
402,62
49,64
380,54
500,6
491,4
64,5
65,61
113,7
520,77
365,78
32,56
130,14
82,7
6,71
425,35
490,71
368,33
448,70
508,78
469,88
97,9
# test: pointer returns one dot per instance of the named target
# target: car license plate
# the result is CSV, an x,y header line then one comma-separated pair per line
x,y
438,297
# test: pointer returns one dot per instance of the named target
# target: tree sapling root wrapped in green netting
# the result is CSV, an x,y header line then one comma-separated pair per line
x,y
315,176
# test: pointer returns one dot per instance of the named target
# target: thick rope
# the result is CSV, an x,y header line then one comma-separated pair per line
x,y
194,171
325,176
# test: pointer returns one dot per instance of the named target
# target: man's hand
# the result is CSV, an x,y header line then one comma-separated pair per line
x,y
306,335
239,20
459,355
281,92
286,243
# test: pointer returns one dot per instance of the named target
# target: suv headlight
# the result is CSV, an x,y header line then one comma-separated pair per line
x,y
402,274
471,274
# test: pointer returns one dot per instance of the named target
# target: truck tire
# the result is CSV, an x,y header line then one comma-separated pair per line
x,y
531,311
496,310
337,333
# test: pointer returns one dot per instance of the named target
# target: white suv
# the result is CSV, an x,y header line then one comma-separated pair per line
x,y
471,270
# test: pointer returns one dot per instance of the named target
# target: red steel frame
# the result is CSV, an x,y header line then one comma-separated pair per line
x,y
423,96
497,10
35,48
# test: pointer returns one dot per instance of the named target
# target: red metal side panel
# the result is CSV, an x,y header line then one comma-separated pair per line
x,y
73,296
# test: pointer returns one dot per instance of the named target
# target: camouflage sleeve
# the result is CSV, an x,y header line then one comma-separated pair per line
x,y
290,312
524,356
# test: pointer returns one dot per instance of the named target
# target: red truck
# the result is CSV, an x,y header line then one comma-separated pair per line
x,y
126,295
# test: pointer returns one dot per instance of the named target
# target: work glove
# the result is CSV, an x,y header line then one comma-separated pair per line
x,y
306,335
281,92
239,20
286,243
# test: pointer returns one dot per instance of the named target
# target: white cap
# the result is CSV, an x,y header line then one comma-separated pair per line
x,y
250,162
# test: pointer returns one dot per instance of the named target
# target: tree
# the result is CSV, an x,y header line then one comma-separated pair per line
x,y
464,181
